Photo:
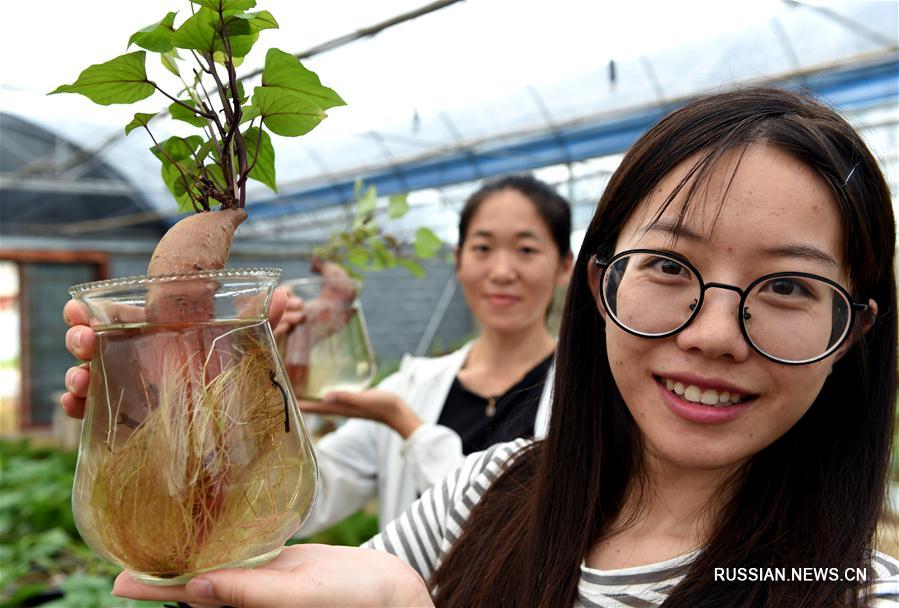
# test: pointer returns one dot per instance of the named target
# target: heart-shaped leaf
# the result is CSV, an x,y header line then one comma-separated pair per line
x,y
367,202
156,37
215,174
179,112
177,148
426,243
256,22
285,71
120,80
264,169
141,119
226,5
168,61
398,206
198,32
412,266
286,113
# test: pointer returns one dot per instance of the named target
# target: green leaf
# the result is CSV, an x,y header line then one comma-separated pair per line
x,y
198,32
120,80
156,37
398,206
412,266
264,169
240,92
179,112
177,148
285,71
204,150
168,61
177,186
286,113
359,257
226,5
368,202
216,175
140,120
240,48
426,243
385,258
249,113
263,20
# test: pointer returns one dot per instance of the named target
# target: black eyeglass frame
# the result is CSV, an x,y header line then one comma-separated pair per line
x,y
604,264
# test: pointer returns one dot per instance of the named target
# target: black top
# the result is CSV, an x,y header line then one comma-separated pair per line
x,y
481,422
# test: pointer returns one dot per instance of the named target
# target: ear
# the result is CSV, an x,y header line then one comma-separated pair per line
x,y
566,265
866,321
457,257
593,272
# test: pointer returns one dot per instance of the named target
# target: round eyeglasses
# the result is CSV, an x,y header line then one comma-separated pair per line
x,y
789,317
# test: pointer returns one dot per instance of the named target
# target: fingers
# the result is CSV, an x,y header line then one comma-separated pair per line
x,y
77,382
73,406
233,587
276,308
325,407
75,313
78,379
293,313
127,586
81,342
248,588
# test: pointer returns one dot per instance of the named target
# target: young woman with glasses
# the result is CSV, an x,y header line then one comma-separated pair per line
x,y
723,403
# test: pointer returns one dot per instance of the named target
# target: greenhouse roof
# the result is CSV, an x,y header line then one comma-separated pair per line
x,y
406,130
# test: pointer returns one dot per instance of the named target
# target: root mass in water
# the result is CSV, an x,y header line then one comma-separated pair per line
x,y
191,466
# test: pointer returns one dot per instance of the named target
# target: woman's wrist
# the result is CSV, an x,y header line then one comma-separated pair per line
x,y
402,419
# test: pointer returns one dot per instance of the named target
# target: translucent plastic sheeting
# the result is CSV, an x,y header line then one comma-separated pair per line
x,y
481,81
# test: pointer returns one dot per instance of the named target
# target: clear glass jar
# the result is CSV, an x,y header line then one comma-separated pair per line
x,y
193,454
330,350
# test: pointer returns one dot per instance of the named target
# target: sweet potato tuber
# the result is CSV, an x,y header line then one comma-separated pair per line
x,y
196,243
325,315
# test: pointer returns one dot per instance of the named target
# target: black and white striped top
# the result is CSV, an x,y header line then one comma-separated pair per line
x,y
426,532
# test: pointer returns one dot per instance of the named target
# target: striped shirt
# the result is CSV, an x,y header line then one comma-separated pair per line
x,y
425,533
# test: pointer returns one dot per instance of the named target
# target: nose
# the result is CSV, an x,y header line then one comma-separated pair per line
x,y
502,270
715,331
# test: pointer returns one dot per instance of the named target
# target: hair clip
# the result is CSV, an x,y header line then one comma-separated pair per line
x,y
851,171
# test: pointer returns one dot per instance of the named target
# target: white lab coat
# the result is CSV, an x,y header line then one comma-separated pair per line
x,y
363,459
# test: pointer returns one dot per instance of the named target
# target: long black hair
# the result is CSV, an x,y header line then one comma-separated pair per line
x,y
811,498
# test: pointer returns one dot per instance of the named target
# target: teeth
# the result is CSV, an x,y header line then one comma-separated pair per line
x,y
693,394
708,396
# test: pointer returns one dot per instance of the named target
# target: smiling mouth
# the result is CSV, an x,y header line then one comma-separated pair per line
x,y
703,396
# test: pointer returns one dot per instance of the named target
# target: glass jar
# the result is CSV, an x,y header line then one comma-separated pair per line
x,y
193,454
330,350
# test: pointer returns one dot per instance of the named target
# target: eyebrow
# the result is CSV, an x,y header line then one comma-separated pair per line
x,y
523,234
807,252
673,230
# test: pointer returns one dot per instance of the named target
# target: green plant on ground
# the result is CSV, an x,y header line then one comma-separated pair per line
x,y
40,549
41,553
